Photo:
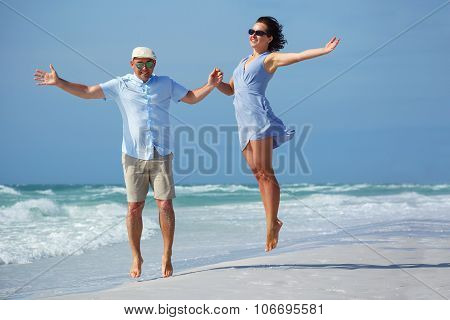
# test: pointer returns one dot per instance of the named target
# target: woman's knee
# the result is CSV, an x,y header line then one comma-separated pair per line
x,y
254,169
265,174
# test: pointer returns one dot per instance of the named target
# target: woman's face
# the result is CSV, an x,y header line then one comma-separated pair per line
x,y
259,43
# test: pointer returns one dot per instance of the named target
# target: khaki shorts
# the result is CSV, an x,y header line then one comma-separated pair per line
x,y
139,174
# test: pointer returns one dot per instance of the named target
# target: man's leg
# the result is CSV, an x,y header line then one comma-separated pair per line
x,y
136,182
167,225
134,227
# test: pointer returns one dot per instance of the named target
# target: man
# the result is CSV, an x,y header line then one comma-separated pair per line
x,y
143,99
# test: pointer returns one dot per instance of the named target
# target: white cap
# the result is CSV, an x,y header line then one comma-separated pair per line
x,y
143,52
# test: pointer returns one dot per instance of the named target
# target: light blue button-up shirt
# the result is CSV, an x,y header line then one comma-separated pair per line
x,y
145,112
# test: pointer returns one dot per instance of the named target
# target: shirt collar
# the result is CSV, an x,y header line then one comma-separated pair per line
x,y
136,79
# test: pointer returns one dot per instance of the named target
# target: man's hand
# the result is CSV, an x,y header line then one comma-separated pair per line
x,y
331,44
51,78
197,95
215,77
44,78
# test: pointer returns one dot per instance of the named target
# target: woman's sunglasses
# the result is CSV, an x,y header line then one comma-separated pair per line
x,y
148,64
258,33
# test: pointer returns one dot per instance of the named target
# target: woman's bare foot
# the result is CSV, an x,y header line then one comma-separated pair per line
x,y
272,235
166,267
135,270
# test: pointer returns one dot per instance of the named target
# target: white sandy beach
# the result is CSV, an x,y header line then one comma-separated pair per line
x,y
411,269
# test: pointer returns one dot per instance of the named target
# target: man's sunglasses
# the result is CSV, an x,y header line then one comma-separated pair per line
x,y
148,64
258,33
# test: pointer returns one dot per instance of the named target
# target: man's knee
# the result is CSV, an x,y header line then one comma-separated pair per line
x,y
135,208
165,206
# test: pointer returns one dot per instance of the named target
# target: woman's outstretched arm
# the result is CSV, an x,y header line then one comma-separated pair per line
x,y
278,59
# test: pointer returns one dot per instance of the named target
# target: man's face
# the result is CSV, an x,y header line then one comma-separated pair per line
x,y
141,67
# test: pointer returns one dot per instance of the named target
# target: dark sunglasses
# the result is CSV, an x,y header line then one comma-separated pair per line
x,y
258,33
148,64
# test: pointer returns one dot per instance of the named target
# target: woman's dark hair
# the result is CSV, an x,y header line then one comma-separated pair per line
x,y
274,29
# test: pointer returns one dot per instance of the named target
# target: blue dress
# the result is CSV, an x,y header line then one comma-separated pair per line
x,y
254,115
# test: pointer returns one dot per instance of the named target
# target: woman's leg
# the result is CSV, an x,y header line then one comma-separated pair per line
x,y
260,155
248,155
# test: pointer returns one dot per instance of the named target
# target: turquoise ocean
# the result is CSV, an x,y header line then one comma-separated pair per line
x,y
60,239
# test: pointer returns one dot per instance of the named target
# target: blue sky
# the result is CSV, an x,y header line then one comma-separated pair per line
x,y
385,121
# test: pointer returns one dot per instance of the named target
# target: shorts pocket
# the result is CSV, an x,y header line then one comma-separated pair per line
x,y
132,165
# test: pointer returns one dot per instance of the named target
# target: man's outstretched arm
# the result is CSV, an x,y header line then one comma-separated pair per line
x,y
51,78
197,95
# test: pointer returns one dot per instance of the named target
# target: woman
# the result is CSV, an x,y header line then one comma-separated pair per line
x,y
260,131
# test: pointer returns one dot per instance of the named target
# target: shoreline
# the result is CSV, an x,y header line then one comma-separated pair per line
x,y
395,268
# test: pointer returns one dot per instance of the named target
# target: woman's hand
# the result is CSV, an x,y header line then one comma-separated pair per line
x,y
331,44
215,77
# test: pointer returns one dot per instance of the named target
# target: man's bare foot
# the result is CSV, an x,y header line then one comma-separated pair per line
x,y
166,267
135,270
272,235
